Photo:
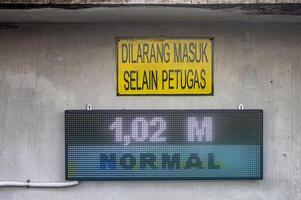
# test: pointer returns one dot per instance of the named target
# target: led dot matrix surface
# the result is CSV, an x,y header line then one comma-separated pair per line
x,y
163,144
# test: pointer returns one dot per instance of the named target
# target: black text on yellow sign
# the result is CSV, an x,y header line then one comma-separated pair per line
x,y
164,67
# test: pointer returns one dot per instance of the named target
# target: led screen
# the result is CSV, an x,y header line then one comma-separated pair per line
x,y
163,144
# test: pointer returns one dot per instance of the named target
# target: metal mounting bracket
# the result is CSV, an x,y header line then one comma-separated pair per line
x,y
89,107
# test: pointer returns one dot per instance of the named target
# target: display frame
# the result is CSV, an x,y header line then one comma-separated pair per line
x,y
162,178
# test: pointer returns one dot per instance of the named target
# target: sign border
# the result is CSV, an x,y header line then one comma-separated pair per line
x,y
165,178
117,39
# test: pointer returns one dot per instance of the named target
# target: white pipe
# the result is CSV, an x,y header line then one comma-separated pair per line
x,y
30,184
12,183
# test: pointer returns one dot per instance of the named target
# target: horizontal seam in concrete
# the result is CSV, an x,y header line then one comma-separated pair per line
x,y
276,9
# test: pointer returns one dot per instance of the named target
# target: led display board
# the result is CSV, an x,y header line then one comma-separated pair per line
x,y
164,66
163,144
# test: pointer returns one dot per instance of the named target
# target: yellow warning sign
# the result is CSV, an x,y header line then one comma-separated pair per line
x,y
164,67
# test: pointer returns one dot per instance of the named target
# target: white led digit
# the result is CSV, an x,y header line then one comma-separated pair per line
x,y
139,123
202,132
127,140
117,126
156,137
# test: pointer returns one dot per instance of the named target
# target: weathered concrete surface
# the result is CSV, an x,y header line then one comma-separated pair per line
x,y
91,11
125,2
235,13
45,69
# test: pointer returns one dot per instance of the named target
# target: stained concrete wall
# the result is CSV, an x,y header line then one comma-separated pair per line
x,y
45,69
126,2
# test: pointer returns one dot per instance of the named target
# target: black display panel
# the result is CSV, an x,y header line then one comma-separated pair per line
x,y
163,144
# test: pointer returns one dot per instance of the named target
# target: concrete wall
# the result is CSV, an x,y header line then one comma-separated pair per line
x,y
45,69
126,2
